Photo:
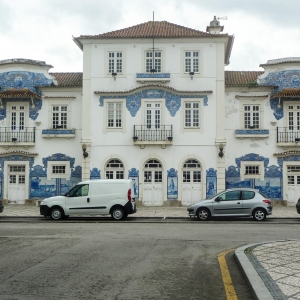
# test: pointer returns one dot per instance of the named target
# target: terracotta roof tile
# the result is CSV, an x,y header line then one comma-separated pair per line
x,y
68,79
18,93
289,93
232,78
158,29
241,78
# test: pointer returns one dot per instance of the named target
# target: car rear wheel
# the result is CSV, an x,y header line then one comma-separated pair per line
x,y
56,213
203,214
118,213
259,214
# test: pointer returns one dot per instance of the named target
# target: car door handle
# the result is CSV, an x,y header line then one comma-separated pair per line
x,y
239,203
88,200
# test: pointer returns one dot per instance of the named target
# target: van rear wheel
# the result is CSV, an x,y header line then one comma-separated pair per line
x,y
118,213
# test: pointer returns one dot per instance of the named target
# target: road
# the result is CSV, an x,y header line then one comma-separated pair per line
x,y
100,259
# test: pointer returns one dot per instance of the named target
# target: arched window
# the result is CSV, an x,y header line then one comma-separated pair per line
x,y
114,169
152,171
191,171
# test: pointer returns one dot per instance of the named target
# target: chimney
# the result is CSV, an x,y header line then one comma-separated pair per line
x,y
214,27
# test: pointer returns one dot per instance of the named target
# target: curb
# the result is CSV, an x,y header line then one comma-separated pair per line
x,y
257,286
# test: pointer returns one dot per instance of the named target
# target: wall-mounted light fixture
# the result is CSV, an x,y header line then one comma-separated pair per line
x,y
297,140
135,138
85,154
14,140
221,148
170,138
114,75
192,74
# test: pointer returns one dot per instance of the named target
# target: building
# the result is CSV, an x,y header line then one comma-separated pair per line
x,y
155,104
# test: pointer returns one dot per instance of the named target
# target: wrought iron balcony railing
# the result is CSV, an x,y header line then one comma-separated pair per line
x,y
288,134
151,133
17,134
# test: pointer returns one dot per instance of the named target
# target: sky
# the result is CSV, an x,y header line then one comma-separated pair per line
x,y
43,29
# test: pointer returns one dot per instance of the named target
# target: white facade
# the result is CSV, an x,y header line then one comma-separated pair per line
x,y
182,127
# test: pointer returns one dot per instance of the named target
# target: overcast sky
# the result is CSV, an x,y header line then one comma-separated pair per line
x,y
43,29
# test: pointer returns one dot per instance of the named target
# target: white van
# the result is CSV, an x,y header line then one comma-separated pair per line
x,y
93,197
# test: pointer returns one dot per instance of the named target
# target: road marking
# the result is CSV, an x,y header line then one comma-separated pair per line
x,y
229,288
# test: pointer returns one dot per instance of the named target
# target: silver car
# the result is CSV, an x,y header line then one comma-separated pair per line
x,y
239,202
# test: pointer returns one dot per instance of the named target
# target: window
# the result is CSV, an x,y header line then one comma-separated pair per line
x,y
114,169
254,170
114,115
192,114
79,191
248,195
156,64
191,61
115,62
232,195
294,117
58,169
59,116
251,116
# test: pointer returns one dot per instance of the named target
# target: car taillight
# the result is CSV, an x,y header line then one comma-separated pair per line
x,y
129,195
267,201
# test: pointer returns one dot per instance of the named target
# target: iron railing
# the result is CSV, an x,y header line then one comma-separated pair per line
x,y
288,134
17,134
152,133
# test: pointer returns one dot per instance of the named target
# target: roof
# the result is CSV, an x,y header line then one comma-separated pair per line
x,y
232,78
158,29
241,78
289,93
24,61
68,79
18,93
281,61
150,29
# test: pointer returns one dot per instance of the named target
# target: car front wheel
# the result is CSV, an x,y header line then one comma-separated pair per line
x,y
56,213
203,214
259,214
118,213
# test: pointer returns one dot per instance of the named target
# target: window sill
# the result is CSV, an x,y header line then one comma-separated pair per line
x,y
150,77
58,133
250,133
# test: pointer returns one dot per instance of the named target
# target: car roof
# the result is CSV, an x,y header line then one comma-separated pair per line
x,y
242,189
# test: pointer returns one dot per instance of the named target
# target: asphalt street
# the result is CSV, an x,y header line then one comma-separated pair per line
x,y
125,260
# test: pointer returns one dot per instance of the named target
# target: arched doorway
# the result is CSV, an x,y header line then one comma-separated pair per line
x,y
153,183
191,182
114,169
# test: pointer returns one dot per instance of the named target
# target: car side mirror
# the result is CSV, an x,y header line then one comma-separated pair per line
x,y
218,199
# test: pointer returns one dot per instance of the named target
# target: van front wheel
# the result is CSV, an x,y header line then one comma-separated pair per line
x,y
118,213
56,213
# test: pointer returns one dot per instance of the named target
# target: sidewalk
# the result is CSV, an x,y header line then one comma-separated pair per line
x,y
18,210
270,274
272,269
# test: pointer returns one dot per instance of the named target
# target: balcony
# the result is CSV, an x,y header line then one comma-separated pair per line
x,y
288,136
58,133
12,136
152,135
150,77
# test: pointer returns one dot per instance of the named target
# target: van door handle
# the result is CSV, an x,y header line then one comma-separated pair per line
x,y
88,200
